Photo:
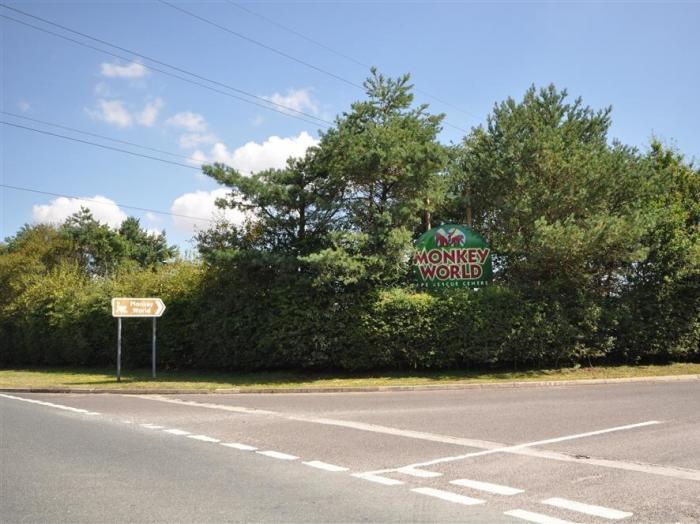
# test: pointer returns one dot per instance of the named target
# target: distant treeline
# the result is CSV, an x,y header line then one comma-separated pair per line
x,y
596,250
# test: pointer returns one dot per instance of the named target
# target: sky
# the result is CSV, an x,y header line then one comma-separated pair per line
x,y
641,58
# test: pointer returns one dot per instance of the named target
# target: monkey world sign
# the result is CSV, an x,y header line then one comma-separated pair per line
x,y
452,255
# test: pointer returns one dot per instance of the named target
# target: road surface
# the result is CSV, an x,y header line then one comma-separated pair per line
x,y
593,453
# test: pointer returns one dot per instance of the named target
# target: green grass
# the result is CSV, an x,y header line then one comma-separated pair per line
x,y
210,381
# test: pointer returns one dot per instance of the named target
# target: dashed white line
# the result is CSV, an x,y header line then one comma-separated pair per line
x,y
448,496
491,447
152,426
236,445
421,473
203,438
535,517
486,486
325,466
378,479
277,455
51,405
176,431
589,509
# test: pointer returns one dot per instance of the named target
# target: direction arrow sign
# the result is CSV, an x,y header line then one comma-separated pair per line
x,y
137,307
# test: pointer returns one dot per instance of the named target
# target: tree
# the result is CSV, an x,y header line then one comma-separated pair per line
x,y
386,151
659,314
145,248
564,210
291,210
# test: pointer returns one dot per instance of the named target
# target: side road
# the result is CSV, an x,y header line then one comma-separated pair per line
x,y
357,389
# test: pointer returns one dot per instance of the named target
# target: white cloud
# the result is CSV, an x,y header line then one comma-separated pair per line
x,y
148,116
192,140
193,122
102,89
103,209
258,120
201,204
296,99
112,112
24,106
115,112
252,157
152,217
132,70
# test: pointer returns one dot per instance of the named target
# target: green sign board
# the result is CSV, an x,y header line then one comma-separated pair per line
x,y
452,255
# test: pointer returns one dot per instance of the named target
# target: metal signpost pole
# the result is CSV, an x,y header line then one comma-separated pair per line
x,y
153,353
119,349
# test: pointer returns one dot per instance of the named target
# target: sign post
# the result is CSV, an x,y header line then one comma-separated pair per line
x,y
136,308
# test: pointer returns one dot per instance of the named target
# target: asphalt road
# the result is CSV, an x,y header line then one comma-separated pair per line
x,y
628,452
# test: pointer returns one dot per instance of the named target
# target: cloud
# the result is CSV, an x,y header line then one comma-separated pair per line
x,y
201,204
102,89
252,157
193,122
258,120
24,106
112,112
115,112
295,99
192,140
103,209
152,217
148,116
132,70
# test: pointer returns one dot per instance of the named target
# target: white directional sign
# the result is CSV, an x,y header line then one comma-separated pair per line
x,y
137,307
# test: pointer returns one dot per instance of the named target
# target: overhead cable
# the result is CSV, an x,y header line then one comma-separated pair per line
x,y
96,135
145,209
266,104
339,53
103,146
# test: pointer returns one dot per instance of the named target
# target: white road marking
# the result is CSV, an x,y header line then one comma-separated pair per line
x,y
486,486
421,473
127,421
378,479
203,438
277,455
652,469
325,466
236,445
535,517
176,431
589,509
448,496
152,426
508,449
51,405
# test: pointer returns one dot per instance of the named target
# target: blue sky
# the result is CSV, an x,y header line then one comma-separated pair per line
x,y
641,58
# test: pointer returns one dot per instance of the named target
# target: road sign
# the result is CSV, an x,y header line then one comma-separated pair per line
x,y
137,307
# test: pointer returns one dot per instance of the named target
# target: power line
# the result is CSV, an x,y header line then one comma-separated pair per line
x,y
340,54
300,35
284,110
260,44
145,209
87,142
279,52
96,135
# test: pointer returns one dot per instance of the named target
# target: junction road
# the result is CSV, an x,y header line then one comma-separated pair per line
x,y
594,453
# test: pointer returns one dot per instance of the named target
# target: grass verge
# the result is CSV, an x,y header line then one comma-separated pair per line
x,y
140,379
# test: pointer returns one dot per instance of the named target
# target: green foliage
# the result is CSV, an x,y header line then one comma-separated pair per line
x,y
596,254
